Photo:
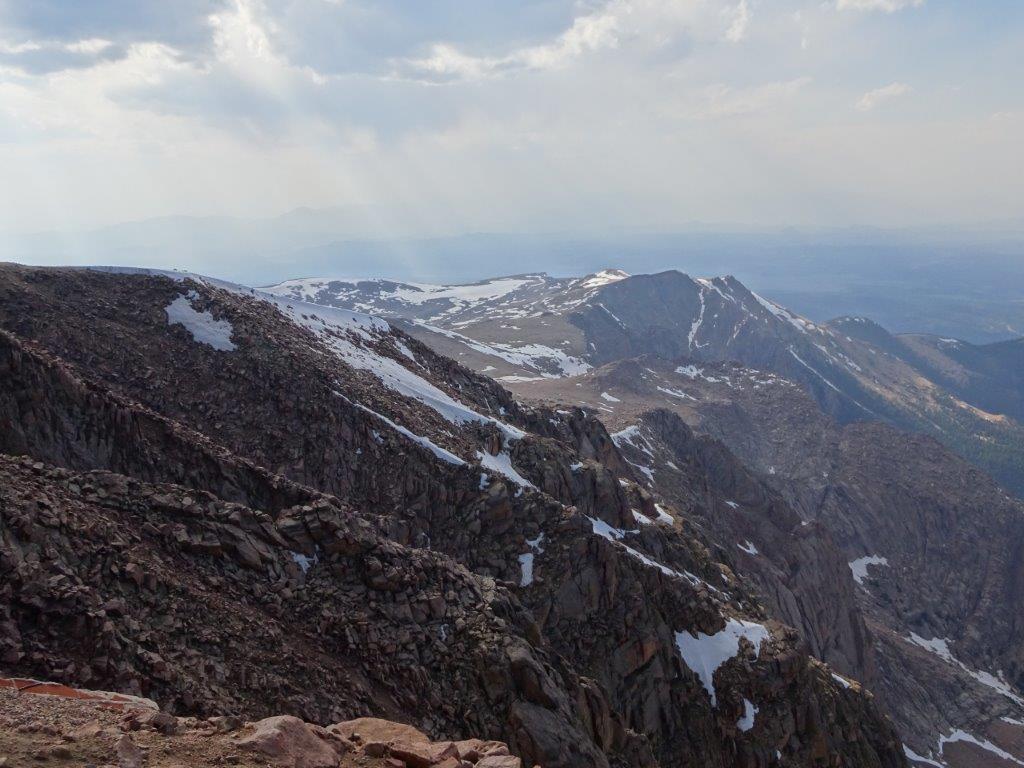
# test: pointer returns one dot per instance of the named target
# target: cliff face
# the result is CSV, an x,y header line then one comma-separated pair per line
x,y
255,505
797,568
897,560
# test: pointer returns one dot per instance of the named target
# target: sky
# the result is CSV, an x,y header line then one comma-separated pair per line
x,y
529,116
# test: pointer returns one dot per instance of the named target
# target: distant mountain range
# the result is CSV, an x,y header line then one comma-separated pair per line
x,y
533,326
943,281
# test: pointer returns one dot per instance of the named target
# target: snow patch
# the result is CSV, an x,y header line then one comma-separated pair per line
x,y
746,722
502,464
602,278
303,561
801,324
859,567
988,746
202,325
602,529
677,393
340,329
435,449
698,321
538,357
841,680
940,647
526,560
912,755
663,517
704,654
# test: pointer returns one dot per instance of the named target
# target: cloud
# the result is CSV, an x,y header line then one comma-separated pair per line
x,y
181,24
723,101
646,25
588,33
574,113
886,6
34,56
874,98
737,30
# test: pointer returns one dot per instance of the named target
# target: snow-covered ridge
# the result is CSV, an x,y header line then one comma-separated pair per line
x,y
538,357
408,292
800,323
452,305
347,333
603,278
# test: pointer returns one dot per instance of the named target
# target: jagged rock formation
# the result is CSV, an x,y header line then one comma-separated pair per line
x,y
257,505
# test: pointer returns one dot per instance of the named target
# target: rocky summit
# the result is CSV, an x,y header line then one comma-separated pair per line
x,y
307,538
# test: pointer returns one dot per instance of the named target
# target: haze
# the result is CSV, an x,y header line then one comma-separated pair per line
x,y
540,116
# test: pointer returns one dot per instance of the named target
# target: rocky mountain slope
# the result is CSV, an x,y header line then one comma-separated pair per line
x,y
928,573
895,559
534,326
990,376
233,503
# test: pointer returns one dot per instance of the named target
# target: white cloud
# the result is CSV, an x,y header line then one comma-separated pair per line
x,y
16,48
643,113
588,33
723,101
649,25
92,45
872,99
886,6
737,30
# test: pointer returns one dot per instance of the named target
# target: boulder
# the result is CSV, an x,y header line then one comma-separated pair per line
x,y
499,761
289,737
366,729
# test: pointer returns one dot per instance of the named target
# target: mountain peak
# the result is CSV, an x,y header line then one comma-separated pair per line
x,y
603,277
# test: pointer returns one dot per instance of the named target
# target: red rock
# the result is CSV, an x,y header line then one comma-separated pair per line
x,y
499,761
470,749
289,737
375,749
442,750
366,729
415,755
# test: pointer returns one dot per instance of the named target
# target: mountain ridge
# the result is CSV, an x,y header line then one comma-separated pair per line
x,y
533,326
516,580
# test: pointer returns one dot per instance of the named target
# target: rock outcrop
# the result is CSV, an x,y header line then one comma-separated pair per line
x,y
45,723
